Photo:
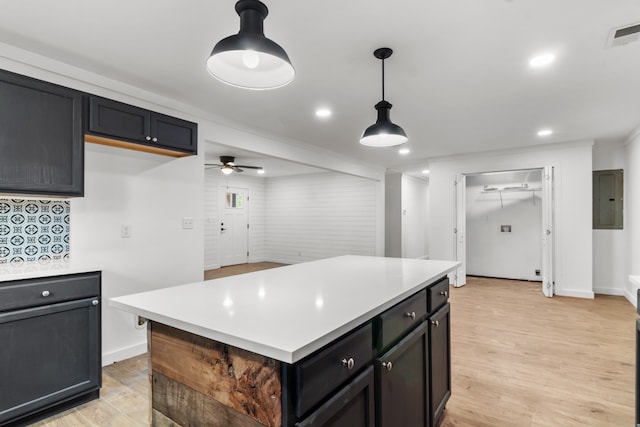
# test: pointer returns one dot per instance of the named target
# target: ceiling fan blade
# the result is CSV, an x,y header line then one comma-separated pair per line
x,y
237,169
249,167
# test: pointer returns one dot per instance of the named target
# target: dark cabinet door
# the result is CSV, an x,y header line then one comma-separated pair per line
x,y
119,120
49,354
41,144
402,382
171,132
351,406
440,351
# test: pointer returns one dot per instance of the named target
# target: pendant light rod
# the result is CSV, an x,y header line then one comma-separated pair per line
x,y
383,53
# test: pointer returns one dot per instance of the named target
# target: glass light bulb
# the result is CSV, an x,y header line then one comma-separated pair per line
x,y
250,59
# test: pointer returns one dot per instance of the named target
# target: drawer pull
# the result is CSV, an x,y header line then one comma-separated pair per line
x,y
154,139
148,138
435,322
95,302
444,294
349,363
388,366
45,293
412,315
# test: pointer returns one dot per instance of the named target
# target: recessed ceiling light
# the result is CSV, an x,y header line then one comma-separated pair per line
x,y
542,60
545,132
404,151
425,171
323,113
261,171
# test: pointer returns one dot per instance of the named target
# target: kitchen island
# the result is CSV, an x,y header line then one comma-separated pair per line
x,y
297,345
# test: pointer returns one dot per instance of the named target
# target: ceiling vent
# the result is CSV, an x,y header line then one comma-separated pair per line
x,y
624,35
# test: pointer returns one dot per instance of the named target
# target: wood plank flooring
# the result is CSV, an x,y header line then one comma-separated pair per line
x,y
518,359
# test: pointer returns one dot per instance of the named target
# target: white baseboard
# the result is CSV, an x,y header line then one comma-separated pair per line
x,y
609,291
576,294
124,353
632,298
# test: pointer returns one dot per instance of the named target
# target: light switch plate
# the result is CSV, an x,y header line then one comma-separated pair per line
x,y
125,231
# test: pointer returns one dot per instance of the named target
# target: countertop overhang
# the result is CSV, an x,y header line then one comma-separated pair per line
x,y
35,269
289,312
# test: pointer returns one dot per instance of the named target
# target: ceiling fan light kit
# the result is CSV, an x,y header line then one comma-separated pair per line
x,y
383,133
249,60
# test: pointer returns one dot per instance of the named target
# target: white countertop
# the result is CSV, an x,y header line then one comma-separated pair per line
x,y
32,270
287,313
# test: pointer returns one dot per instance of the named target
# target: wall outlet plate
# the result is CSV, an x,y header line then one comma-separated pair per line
x,y
187,222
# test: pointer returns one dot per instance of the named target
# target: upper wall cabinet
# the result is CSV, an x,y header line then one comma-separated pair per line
x,y
41,144
117,124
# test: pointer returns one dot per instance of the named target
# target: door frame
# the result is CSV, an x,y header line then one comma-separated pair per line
x,y
459,277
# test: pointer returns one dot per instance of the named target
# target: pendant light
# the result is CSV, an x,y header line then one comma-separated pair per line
x,y
248,59
383,133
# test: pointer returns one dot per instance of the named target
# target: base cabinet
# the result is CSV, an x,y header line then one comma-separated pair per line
x,y
440,362
402,382
50,353
352,406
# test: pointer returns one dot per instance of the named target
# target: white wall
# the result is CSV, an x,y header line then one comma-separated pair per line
x,y
573,169
151,193
493,253
257,218
320,215
414,217
632,211
393,215
609,246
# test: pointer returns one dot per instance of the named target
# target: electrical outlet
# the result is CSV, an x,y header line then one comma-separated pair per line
x,y
187,222
125,231
140,322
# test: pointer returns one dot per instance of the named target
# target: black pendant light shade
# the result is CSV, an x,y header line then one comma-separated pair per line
x,y
383,133
248,59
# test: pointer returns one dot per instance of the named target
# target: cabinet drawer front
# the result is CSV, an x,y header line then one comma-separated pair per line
x,y
393,323
321,373
438,295
35,292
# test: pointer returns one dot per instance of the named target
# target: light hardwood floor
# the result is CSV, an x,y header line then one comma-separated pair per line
x,y
518,359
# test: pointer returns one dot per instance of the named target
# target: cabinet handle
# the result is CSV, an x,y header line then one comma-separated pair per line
x,y
388,366
444,293
148,138
95,302
412,315
45,293
435,322
154,139
349,363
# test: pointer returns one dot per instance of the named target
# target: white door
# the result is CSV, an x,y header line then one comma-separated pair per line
x,y
459,231
547,232
234,225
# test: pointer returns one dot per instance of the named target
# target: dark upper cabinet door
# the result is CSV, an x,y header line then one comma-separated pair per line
x,y
402,382
171,132
119,120
440,351
351,406
41,144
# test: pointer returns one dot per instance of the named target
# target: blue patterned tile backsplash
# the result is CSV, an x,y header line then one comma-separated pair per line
x,y
33,230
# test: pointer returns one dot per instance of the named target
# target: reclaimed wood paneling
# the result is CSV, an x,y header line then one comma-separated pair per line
x,y
175,404
241,380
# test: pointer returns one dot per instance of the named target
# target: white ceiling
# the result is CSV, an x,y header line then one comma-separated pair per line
x,y
459,79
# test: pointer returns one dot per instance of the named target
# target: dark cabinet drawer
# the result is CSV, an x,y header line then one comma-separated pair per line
x,y
438,295
323,372
35,292
395,322
352,406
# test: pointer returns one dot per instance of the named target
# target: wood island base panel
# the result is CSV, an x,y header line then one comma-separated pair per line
x,y
198,381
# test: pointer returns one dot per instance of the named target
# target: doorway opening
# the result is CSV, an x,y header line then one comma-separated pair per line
x,y
504,226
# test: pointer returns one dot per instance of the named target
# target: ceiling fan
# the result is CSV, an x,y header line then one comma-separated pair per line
x,y
227,165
